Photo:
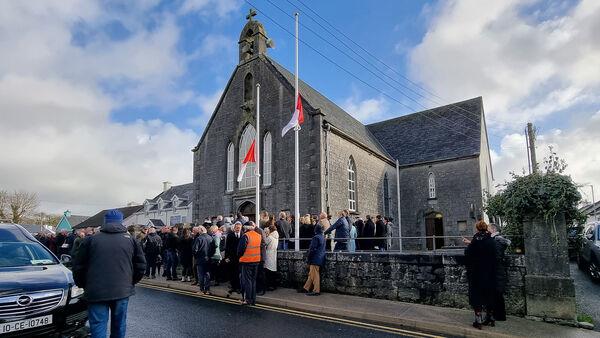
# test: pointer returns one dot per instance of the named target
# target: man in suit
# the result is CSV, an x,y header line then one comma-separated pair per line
x,y
380,233
231,256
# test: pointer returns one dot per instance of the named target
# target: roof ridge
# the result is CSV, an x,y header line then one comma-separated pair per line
x,y
430,110
381,149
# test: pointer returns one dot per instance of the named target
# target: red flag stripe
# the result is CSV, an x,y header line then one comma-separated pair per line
x,y
250,154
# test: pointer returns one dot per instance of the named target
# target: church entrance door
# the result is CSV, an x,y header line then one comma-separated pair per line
x,y
434,226
248,209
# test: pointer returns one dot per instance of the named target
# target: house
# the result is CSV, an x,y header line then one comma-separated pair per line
x,y
98,219
172,206
68,221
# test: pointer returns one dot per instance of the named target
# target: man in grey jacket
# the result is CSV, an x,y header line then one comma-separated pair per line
x,y
108,265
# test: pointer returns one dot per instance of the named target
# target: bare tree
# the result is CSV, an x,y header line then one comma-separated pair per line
x,y
3,205
22,203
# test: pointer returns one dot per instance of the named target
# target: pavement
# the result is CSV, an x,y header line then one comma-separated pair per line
x,y
588,295
410,316
155,313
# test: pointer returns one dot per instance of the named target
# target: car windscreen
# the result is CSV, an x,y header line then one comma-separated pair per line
x,y
13,254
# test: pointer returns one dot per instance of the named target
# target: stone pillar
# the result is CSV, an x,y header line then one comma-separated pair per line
x,y
549,288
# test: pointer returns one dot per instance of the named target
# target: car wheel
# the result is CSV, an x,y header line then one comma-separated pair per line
x,y
594,270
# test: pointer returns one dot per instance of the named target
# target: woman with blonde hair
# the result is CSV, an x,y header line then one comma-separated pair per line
x,y
480,259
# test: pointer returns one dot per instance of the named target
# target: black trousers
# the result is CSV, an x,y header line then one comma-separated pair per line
x,y
271,279
261,285
248,282
150,266
234,275
499,306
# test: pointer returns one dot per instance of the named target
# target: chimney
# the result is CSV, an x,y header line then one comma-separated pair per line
x,y
166,185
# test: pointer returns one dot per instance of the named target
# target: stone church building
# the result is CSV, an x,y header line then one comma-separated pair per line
x,y
443,155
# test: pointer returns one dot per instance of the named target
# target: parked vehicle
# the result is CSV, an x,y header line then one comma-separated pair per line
x,y
574,241
589,254
38,296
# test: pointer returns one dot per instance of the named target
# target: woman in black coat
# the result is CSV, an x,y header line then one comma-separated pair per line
x,y
480,259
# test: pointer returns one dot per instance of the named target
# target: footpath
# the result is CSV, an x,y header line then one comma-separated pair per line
x,y
440,320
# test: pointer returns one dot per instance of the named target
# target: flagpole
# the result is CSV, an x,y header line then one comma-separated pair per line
x,y
297,169
257,154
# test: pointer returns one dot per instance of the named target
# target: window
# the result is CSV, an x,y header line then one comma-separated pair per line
x,y
249,180
431,185
267,155
230,155
351,185
386,195
248,87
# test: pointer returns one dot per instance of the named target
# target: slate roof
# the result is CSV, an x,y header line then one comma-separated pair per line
x,y
76,219
157,222
185,191
98,219
335,115
428,135
591,209
35,228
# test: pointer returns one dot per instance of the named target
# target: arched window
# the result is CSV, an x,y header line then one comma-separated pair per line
x,y
351,185
267,155
386,195
431,185
230,162
248,87
249,180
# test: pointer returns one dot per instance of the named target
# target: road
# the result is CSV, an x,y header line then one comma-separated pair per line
x,y
588,295
154,313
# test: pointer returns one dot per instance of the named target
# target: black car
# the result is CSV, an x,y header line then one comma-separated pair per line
x,y
589,254
37,294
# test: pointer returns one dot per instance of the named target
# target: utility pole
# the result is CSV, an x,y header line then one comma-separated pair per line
x,y
528,154
531,137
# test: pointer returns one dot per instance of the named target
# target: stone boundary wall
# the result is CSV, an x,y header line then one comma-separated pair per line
x,y
418,277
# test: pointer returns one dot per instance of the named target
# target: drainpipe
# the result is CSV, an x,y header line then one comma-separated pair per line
x,y
327,131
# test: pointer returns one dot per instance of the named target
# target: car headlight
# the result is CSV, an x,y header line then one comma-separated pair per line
x,y
76,291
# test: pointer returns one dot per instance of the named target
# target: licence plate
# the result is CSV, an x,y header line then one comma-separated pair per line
x,y
25,324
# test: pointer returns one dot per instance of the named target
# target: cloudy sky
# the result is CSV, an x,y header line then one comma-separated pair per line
x,y
100,101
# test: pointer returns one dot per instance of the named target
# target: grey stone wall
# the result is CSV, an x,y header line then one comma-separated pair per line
x,y
370,172
227,125
426,278
458,185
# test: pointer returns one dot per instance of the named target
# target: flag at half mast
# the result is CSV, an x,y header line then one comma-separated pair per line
x,y
297,118
250,158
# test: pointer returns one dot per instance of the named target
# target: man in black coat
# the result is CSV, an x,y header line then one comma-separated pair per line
x,y
107,266
501,274
381,233
231,256
368,232
360,228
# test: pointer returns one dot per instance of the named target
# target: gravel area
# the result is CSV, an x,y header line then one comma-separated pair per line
x,y
588,295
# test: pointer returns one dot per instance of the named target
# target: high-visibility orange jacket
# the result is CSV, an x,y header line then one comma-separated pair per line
x,y
252,252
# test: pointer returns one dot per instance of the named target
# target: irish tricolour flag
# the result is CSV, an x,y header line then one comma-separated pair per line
x,y
297,118
250,158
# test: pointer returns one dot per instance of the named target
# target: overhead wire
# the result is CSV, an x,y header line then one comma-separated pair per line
x,y
376,58
382,73
358,78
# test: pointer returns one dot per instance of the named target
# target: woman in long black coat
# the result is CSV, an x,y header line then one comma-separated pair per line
x,y
368,243
480,258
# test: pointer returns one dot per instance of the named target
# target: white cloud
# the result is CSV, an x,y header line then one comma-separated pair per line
x,y
366,110
207,104
579,147
221,8
526,66
57,97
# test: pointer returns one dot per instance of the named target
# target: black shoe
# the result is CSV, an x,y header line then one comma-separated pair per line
x,y
313,294
477,325
489,321
302,290
169,278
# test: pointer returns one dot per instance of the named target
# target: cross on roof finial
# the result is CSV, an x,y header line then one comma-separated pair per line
x,y
251,14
